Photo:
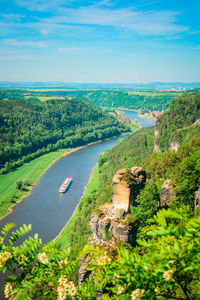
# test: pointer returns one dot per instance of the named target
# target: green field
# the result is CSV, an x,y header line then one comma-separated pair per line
x,y
30,173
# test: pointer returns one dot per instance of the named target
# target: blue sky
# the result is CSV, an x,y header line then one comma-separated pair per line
x,y
100,41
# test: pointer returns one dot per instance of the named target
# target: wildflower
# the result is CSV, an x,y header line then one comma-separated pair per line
x,y
137,294
8,290
172,261
103,260
23,257
167,275
62,288
42,257
120,289
71,289
63,262
4,256
1,240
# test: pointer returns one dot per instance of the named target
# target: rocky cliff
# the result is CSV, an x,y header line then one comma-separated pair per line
x,y
110,223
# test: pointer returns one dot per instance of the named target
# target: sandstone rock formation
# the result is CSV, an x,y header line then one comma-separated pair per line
x,y
107,226
166,193
197,202
197,122
109,222
127,184
174,146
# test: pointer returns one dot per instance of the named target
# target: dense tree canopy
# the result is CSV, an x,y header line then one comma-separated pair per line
x,y
29,129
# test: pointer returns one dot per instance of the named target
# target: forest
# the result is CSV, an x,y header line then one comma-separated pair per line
x,y
29,129
143,100
163,260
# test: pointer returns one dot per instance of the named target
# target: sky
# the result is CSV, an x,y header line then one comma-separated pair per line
x,y
101,41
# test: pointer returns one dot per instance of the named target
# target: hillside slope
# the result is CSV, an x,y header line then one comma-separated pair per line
x,y
175,125
30,129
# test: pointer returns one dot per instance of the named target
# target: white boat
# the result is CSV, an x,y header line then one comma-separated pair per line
x,y
65,185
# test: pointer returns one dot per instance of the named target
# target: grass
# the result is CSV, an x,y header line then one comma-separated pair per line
x,y
29,173
92,186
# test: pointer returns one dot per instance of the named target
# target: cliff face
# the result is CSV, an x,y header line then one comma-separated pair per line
x,y
127,184
110,221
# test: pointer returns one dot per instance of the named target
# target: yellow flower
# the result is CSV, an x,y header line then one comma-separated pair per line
x,y
120,289
8,290
103,260
63,262
1,240
71,289
137,294
23,257
62,288
167,275
4,256
42,257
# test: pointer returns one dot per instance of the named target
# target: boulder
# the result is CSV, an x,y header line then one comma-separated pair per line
x,y
166,193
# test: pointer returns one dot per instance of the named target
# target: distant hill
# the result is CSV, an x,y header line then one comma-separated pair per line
x,y
53,84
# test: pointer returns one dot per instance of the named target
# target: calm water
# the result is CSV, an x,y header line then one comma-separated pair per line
x,y
46,209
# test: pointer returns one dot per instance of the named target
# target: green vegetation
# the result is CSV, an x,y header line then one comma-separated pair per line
x,y
167,266
28,174
128,152
138,100
31,129
143,100
183,112
164,262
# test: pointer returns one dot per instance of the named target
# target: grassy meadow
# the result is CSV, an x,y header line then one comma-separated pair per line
x,y
29,173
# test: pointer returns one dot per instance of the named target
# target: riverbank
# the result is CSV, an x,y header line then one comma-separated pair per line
x,y
29,174
91,186
82,208
119,111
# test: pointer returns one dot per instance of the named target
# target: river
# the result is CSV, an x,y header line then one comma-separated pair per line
x,y
46,209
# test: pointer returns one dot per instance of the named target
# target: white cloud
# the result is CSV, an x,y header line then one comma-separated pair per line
x,y
149,22
17,43
13,17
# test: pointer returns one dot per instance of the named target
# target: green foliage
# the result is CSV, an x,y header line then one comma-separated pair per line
x,y
19,184
36,269
182,167
31,129
167,266
146,203
142,100
183,112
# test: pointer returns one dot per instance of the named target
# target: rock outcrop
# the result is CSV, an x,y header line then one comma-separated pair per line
x,y
106,227
197,202
174,146
127,184
109,223
166,193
